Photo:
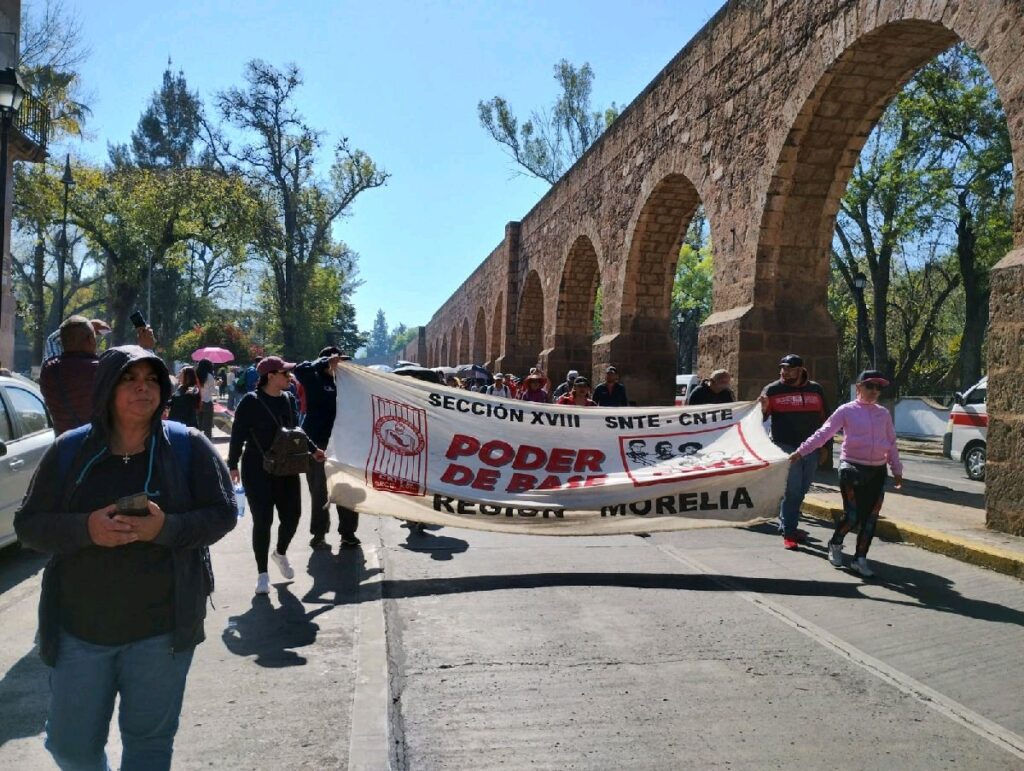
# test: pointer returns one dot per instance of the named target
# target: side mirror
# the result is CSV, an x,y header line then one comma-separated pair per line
x,y
3,448
958,398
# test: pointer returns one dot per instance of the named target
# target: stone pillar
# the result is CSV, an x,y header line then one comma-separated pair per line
x,y
749,341
1004,469
645,359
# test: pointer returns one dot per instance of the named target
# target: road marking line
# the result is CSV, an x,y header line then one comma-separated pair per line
x,y
369,740
954,710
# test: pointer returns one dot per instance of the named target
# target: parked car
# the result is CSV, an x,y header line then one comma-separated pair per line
x,y
26,431
685,384
967,430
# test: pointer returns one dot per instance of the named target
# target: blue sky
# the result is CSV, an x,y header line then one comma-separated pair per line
x,y
402,81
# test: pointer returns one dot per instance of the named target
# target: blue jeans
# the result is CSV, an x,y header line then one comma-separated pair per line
x,y
151,682
798,482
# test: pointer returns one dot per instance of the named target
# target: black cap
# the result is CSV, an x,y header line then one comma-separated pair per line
x,y
330,350
791,360
580,381
611,369
873,376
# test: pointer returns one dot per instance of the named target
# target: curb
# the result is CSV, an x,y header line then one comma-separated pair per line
x,y
991,557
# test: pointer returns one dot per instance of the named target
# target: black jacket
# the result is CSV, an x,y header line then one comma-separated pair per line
x,y
199,503
797,411
321,400
703,394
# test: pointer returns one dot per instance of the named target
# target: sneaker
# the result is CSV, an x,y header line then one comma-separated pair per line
x,y
789,542
860,565
263,583
835,554
350,541
319,543
283,565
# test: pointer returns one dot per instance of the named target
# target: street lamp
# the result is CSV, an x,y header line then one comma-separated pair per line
x,y
62,242
859,282
12,92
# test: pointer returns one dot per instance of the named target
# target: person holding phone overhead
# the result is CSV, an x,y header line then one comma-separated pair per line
x,y
66,379
127,505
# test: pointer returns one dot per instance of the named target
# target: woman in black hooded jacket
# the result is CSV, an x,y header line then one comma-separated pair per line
x,y
124,595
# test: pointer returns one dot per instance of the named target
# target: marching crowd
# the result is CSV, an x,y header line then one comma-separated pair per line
x,y
128,503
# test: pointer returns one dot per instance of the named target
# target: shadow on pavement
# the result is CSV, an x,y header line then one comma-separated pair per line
x,y
336,579
439,547
271,634
914,489
24,694
18,564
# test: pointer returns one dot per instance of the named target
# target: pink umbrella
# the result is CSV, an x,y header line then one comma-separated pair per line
x,y
214,354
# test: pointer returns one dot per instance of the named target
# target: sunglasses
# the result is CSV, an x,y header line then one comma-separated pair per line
x,y
871,386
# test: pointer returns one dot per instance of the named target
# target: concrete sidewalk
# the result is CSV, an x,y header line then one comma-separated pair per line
x,y
940,526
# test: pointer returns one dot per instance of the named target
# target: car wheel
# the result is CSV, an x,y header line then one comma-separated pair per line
x,y
974,462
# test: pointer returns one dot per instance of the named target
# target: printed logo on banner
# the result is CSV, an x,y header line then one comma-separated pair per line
x,y
397,462
655,459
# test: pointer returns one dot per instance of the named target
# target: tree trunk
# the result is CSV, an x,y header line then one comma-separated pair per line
x,y
44,322
975,299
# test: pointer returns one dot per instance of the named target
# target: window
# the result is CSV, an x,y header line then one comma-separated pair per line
x,y
29,409
977,396
5,424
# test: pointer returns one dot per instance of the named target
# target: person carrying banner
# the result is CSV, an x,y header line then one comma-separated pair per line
x,y
714,390
126,505
566,387
534,390
579,396
498,388
317,379
869,442
611,393
260,422
796,405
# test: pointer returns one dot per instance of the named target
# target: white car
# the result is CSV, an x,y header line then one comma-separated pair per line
x,y
967,430
26,430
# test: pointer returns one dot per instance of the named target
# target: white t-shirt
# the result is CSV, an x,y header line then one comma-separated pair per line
x,y
209,388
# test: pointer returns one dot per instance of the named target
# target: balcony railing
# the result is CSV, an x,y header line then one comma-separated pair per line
x,y
33,121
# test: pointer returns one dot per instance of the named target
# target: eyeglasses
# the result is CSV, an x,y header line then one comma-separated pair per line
x,y
871,386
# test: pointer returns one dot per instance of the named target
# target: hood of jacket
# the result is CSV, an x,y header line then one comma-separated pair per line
x,y
111,366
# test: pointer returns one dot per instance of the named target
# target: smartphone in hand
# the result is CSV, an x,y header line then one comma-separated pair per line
x,y
133,505
138,320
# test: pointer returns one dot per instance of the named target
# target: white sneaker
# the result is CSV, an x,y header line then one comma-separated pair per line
x,y
835,554
283,565
263,583
860,565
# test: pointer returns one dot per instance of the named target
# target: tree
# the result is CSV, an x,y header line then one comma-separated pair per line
x,y
50,52
691,289
220,334
297,210
932,182
379,341
547,144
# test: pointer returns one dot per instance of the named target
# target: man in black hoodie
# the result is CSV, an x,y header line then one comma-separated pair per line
x,y
317,378
124,595
796,405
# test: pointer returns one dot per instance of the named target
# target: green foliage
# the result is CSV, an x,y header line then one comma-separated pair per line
x,y
401,336
378,341
547,144
222,335
926,214
691,288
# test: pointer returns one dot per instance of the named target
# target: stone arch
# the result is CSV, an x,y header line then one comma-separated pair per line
x,y
497,326
443,362
574,315
453,351
480,337
643,349
530,322
464,344
811,172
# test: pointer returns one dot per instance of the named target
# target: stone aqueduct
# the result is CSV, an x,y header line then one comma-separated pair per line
x,y
760,118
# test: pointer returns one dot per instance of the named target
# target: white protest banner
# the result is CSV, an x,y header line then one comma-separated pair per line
x,y
428,453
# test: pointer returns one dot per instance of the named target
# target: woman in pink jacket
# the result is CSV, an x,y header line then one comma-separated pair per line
x,y
869,443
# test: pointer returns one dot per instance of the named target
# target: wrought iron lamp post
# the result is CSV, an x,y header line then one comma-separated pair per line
x,y
62,243
12,92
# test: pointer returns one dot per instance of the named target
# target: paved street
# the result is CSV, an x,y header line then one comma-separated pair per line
x,y
693,650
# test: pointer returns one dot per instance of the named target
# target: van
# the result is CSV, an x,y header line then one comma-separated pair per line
x,y
967,430
684,385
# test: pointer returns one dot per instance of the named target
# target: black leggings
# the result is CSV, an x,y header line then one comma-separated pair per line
x,y
863,488
263,493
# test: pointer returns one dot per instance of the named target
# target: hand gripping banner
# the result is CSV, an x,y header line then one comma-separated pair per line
x,y
433,454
